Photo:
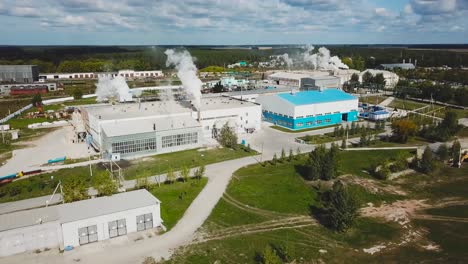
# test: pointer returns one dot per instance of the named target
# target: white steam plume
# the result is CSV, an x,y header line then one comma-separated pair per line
x,y
117,88
187,73
287,60
322,59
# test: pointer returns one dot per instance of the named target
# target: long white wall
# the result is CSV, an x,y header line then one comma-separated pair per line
x,y
322,108
70,230
275,104
19,240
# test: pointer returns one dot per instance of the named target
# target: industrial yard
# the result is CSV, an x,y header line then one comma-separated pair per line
x,y
183,132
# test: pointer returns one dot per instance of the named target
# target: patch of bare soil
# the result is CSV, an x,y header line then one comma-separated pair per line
x,y
399,211
371,185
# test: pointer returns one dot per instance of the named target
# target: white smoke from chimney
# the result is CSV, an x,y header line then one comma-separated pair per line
x,y
322,60
187,73
117,88
289,62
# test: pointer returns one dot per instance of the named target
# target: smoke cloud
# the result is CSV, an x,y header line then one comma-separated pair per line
x,y
289,61
322,59
187,73
117,88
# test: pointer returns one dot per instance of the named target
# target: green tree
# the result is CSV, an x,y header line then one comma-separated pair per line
x,y
348,61
291,155
170,176
427,163
74,189
218,87
443,152
143,183
200,172
367,78
402,129
456,147
379,80
283,155
354,81
227,137
343,143
269,256
274,160
105,185
341,207
36,100
185,173
77,93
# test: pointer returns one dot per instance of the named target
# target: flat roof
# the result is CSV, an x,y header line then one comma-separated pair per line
x,y
161,108
316,96
28,218
138,126
120,202
70,212
299,75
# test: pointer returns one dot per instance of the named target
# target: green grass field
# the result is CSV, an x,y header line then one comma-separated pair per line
x,y
176,198
177,160
268,195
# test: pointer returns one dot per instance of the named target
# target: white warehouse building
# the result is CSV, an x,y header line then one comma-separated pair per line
x,y
78,223
139,129
305,80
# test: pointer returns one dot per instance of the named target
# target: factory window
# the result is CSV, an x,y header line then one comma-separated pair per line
x,y
300,117
246,121
310,115
300,124
87,234
135,145
179,140
319,122
308,123
327,120
117,228
319,114
144,222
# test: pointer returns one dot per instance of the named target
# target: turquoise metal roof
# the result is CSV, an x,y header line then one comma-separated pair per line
x,y
316,97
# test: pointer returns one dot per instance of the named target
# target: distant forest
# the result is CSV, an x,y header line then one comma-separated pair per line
x,y
111,58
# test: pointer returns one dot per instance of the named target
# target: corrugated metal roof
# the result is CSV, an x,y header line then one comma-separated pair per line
x,y
316,97
28,218
71,212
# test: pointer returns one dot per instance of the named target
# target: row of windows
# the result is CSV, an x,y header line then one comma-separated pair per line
x,y
135,145
310,123
116,228
179,140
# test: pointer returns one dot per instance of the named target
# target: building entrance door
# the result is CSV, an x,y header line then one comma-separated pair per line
x,y
344,117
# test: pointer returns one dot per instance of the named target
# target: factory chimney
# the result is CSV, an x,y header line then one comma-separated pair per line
x,y
198,115
415,63
410,60
404,61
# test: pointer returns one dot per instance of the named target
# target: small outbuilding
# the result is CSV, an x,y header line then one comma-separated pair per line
x,y
78,223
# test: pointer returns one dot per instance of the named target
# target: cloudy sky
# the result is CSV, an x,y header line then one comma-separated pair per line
x,y
186,22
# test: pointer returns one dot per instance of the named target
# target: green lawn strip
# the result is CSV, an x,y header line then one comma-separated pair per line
x,y
176,198
227,215
412,142
356,162
176,160
284,129
82,101
450,236
329,137
374,99
302,244
452,211
406,104
276,188
376,199
40,185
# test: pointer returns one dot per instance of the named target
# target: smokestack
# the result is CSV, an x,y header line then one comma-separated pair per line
x,y
415,63
410,60
198,115
403,61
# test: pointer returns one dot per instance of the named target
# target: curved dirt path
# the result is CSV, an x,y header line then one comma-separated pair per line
x,y
129,251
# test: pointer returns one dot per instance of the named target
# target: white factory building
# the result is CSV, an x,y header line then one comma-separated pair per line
x,y
128,74
391,78
138,129
305,80
78,223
